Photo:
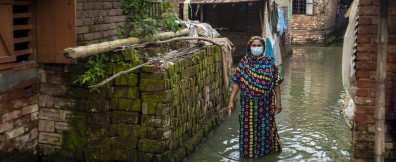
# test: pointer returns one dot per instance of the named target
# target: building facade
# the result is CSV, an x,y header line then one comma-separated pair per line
x,y
312,21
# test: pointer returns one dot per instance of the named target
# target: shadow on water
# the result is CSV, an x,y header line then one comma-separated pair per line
x,y
311,126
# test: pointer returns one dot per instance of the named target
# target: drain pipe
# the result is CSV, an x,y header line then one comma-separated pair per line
x,y
379,116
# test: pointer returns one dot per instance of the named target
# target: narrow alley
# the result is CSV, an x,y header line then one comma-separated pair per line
x,y
311,126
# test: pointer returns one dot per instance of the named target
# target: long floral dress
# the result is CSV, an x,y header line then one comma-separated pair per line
x,y
257,77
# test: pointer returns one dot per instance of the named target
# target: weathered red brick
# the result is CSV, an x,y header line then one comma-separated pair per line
x,y
20,103
364,119
365,2
51,89
25,119
30,109
366,83
63,103
15,132
362,92
50,138
360,110
363,57
367,48
365,65
11,115
6,126
367,101
391,67
365,20
364,153
15,94
46,125
360,127
361,74
42,101
369,10
391,19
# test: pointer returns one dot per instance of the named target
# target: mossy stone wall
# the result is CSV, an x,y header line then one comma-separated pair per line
x,y
147,115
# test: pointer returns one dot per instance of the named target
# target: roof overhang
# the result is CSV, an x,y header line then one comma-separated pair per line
x,y
218,1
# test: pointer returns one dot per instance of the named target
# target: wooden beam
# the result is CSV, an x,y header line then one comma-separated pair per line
x,y
379,115
94,49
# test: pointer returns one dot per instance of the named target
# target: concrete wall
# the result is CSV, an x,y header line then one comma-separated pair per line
x,y
366,63
148,115
313,29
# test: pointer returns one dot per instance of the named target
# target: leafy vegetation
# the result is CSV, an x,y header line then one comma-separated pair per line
x,y
146,18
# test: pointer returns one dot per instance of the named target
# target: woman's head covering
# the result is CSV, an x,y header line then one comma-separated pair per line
x,y
248,53
256,76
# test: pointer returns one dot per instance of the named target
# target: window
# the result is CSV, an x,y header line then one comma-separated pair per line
x,y
303,7
35,31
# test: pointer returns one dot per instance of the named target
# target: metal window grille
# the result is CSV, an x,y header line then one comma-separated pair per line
x,y
299,7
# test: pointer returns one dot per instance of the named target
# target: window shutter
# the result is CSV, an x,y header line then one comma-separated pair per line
x,y
309,9
7,57
56,30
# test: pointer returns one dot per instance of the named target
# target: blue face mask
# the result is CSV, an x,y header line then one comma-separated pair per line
x,y
256,51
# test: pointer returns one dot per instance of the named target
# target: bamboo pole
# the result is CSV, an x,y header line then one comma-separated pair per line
x,y
94,49
379,116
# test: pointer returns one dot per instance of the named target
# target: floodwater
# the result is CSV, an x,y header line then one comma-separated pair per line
x,y
311,126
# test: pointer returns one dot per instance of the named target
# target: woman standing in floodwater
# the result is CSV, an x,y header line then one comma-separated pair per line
x,y
258,79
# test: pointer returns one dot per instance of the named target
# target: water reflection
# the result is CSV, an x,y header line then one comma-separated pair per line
x,y
311,126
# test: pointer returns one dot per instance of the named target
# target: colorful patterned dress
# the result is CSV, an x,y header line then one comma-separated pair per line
x,y
257,77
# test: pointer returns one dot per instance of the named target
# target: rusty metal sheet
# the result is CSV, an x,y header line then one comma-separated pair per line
x,y
218,1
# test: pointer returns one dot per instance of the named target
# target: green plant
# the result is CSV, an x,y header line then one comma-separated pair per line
x,y
146,18
96,68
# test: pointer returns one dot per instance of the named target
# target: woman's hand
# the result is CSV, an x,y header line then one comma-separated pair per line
x,y
278,107
229,108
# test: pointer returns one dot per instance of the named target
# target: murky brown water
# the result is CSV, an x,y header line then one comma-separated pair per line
x,y
311,126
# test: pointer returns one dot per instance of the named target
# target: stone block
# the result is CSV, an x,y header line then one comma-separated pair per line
x,y
125,117
151,146
97,131
129,105
153,85
157,97
126,92
120,154
98,118
61,127
156,121
148,108
46,125
125,143
148,68
145,157
50,138
154,75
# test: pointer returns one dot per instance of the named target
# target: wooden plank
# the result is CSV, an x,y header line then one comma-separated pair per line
x,y
23,52
7,66
6,32
17,2
23,39
7,59
23,27
23,15
55,32
6,2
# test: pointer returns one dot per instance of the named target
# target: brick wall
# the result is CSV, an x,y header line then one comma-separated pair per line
x,y
147,115
312,29
366,63
97,20
18,121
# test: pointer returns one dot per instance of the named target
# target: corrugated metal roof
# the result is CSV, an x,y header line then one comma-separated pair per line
x,y
218,1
